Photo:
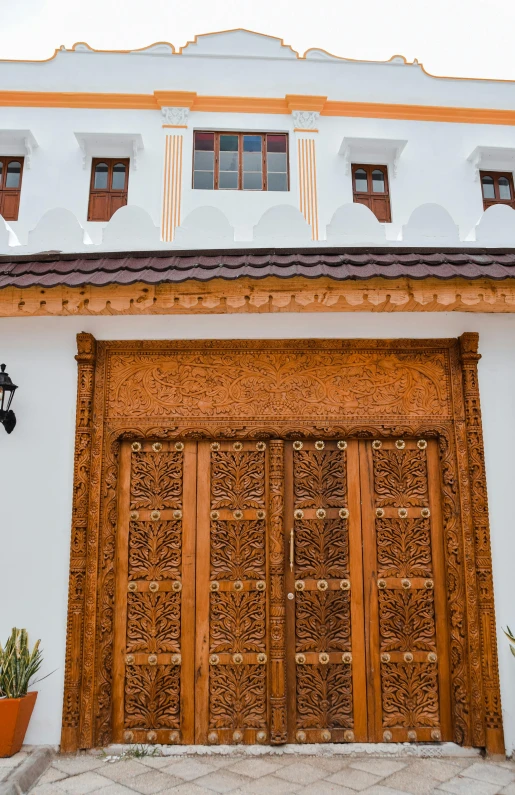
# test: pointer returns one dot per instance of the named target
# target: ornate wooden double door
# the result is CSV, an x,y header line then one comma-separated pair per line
x,y
277,591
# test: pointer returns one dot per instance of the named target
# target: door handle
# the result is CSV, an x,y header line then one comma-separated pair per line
x,y
292,548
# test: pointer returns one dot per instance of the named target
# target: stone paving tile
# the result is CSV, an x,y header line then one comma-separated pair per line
x,y
52,774
82,783
381,789
188,788
156,761
44,789
189,769
325,788
254,768
408,781
486,771
379,767
439,769
468,786
153,781
331,764
509,790
123,771
301,773
268,785
354,779
117,789
222,781
72,765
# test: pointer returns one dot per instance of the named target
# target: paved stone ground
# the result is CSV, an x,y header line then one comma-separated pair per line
x,y
270,774
8,765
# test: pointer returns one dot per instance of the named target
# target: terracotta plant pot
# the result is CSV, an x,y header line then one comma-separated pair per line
x,y
14,719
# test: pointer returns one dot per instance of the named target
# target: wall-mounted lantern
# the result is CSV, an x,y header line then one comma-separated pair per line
x,y
7,390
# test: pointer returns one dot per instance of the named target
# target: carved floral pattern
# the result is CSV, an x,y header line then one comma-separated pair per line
x,y
237,697
237,480
238,622
322,621
322,549
152,697
319,477
156,480
324,697
400,477
404,548
410,695
407,620
155,550
153,622
238,551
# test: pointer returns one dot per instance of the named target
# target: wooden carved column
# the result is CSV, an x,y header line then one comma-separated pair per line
x,y
278,733
86,356
479,504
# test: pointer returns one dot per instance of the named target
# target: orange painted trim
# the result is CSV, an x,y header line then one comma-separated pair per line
x,y
265,105
304,130
174,126
305,102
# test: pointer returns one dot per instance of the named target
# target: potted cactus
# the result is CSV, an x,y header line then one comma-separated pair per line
x,y
18,665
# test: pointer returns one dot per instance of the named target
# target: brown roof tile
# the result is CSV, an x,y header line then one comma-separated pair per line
x,y
51,269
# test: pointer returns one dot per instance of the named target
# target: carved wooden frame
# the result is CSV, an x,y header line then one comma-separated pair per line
x,y
474,670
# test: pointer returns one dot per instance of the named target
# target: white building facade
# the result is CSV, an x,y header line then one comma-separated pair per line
x,y
236,190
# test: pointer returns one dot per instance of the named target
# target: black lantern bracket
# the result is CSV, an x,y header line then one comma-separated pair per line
x,y
7,390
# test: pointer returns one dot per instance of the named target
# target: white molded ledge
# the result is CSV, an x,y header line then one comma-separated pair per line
x,y
18,142
110,145
492,158
373,151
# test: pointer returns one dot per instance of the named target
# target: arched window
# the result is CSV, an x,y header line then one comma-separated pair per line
x,y
497,187
488,187
119,172
11,170
108,190
360,181
378,182
101,176
370,187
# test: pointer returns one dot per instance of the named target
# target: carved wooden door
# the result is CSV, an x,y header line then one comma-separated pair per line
x,y
367,650
191,633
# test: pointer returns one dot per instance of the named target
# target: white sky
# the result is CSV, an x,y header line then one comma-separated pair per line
x,y
450,37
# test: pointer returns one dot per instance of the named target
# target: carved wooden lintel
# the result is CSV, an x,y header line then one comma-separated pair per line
x,y
470,357
86,357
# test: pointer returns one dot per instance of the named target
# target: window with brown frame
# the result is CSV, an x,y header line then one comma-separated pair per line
x,y
370,187
497,187
11,171
108,188
240,161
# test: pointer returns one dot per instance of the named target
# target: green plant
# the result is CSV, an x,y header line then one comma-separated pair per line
x,y
511,637
18,664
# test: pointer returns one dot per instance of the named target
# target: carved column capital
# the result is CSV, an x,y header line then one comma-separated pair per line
x,y
305,119
469,344
175,117
86,348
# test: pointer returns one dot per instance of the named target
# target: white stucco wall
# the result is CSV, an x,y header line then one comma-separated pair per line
x,y
36,461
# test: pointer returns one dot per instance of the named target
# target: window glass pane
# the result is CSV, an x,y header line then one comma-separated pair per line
x,y
277,181
488,187
228,161
276,143
13,176
228,143
228,180
252,180
252,143
504,188
205,141
252,161
276,161
204,161
378,181
360,180
100,182
203,180
118,182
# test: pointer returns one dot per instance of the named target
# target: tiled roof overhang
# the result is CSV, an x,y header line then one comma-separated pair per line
x,y
158,267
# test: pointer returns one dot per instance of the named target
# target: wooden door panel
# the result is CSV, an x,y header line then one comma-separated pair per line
x,y
322,638
232,637
407,655
153,679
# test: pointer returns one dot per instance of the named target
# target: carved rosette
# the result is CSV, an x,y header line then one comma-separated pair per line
x,y
481,529
86,357
278,731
